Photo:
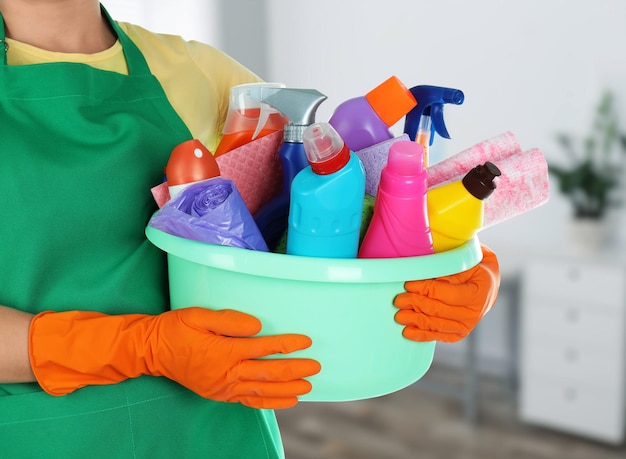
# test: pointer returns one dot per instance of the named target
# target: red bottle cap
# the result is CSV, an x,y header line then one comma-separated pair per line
x,y
324,148
190,162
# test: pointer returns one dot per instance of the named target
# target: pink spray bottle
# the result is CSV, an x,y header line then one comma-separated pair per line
x,y
399,226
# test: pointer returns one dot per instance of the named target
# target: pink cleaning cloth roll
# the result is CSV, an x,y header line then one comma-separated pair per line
x,y
523,186
374,159
457,165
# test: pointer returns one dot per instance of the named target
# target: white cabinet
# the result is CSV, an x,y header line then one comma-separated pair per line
x,y
572,347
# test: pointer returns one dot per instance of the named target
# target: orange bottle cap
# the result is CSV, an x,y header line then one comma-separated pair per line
x,y
391,100
190,162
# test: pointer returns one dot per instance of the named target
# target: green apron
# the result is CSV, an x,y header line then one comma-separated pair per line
x,y
80,149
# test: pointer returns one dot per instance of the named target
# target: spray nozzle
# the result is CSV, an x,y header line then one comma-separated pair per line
x,y
430,102
298,105
247,112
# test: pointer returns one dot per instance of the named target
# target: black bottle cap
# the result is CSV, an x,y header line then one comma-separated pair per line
x,y
479,181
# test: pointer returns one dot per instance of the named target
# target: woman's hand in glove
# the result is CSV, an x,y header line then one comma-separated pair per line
x,y
448,308
213,353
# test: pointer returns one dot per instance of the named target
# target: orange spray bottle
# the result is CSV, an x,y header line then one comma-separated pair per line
x,y
248,117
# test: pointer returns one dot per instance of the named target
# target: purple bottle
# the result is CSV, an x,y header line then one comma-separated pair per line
x,y
365,121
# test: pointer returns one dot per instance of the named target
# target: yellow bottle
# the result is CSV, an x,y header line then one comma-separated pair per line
x,y
456,209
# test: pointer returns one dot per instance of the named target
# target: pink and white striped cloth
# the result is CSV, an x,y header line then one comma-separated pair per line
x,y
522,186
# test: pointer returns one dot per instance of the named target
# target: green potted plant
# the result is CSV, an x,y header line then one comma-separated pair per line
x,y
593,174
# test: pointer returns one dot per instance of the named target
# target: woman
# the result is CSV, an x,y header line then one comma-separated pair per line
x,y
91,360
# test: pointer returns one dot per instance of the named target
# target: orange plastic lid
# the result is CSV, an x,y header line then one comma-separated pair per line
x,y
391,100
190,162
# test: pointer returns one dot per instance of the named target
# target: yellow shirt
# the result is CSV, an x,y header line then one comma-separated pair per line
x,y
195,77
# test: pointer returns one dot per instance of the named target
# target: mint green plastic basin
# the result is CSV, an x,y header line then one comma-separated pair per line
x,y
344,305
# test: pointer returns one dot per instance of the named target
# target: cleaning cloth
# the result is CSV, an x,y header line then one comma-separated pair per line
x,y
255,169
523,186
493,149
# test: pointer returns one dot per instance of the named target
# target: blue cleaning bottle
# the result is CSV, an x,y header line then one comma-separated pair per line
x,y
300,107
426,118
326,198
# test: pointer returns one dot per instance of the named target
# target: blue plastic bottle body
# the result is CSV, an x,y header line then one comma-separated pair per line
x,y
325,212
272,218
358,124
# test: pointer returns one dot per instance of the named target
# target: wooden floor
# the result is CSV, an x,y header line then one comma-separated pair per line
x,y
422,424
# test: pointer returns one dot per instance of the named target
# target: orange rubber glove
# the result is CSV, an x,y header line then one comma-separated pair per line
x,y
210,352
448,308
